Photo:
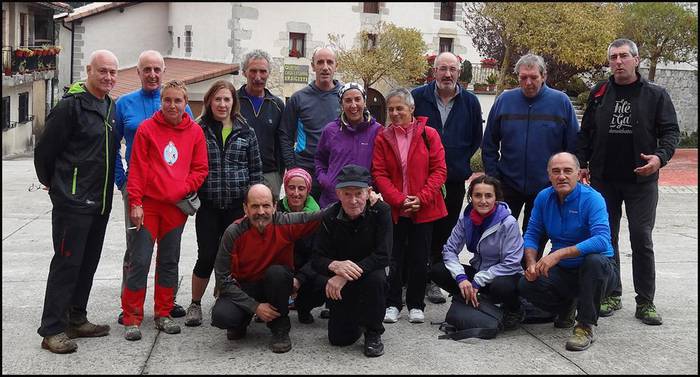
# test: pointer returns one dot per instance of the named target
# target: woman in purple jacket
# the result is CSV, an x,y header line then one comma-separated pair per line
x,y
347,140
492,234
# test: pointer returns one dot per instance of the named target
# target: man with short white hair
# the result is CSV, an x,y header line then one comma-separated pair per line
x,y
132,109
74,159
308,111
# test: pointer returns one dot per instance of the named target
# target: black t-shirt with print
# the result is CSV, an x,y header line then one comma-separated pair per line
x,y
620,159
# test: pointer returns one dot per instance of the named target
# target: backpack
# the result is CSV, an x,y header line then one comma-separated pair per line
x,y
465,321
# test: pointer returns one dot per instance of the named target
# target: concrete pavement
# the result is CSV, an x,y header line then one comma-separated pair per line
x,y
624,344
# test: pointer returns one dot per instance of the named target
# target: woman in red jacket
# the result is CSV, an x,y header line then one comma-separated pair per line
x,y
168,162
408,168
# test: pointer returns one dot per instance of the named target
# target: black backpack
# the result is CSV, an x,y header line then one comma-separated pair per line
x,y
465,321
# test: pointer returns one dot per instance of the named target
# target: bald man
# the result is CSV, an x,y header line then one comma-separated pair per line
x,y
132,109
74,158
307,112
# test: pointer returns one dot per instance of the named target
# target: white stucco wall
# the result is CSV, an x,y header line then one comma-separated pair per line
x,y
126,34
18,139
210,30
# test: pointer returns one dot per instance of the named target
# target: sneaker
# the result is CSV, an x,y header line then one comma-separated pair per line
x,y
434,293
325,313
609,305
120,318
280,342
373,345
567,318
87,330
236,333
512,319
194,315
167,325
415,316
392,315
647,313
132,333
59,343
582,338
177,311
305,317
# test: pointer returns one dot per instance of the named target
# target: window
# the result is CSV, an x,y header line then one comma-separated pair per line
x,y
5,113
178,42
371,41
188,40
23,107
23,32
370,7
447,11
446,44
297,45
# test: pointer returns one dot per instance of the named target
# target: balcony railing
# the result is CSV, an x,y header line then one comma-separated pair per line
x,y
28,59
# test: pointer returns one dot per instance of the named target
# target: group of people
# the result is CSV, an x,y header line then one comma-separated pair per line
x,y
368,209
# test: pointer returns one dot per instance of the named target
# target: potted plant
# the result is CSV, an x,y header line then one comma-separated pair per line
x,y
480,87
488,63
491,80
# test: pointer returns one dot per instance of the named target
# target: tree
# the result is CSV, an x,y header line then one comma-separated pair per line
x,y
572,37
392,52
663,32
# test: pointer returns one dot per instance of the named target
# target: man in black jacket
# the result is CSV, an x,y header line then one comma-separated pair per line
x,y
74,158
628,132
263,111
351,251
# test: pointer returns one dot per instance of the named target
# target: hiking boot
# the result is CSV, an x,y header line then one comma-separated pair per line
x,y
609,305
236,333
567,318
59,343
194,315
647,313
305,317
582,338
373,345
167,325
280,342
512,319
392,315
87,330
416,316
120,318
177,311
132,333
325,313
434,293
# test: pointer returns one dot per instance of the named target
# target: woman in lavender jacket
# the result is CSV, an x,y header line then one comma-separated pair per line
x,y
492,234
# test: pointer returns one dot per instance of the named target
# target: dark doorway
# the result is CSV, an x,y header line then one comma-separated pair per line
x,y
376,105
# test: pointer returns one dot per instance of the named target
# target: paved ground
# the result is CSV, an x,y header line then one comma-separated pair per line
x,y
624,345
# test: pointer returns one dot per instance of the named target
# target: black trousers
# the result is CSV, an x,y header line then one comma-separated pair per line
x,y
588,284
210,224
640,205
362,306
442,228
503,289
516,200
274,288
77,246
409,263
311,294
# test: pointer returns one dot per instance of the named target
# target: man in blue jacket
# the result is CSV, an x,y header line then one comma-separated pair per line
x,y
456,114
525,126
580,270
132,109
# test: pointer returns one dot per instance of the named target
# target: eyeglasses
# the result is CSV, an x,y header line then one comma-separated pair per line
x,y
445,68
623,56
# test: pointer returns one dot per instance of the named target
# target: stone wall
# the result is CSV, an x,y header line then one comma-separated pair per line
x,y
682,86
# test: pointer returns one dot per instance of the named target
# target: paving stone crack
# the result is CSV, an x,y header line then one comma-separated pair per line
x,y
554,349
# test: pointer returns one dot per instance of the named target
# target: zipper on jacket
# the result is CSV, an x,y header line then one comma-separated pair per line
x,y
107,159
75,180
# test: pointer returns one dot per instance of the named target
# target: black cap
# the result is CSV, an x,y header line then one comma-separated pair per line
x,y
353,176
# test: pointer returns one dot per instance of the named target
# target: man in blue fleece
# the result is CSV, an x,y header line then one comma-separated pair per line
x,y
307,112
580,270
525,126
132,109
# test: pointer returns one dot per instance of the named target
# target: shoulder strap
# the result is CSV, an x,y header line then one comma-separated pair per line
x,y
425,139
